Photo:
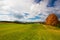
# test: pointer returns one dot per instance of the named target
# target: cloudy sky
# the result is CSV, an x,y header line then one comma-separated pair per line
x,y
28,10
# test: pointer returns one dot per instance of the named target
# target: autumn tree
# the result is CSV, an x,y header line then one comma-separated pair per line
x,y
52,19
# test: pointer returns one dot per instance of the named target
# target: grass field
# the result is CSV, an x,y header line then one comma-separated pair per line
x,y
12,31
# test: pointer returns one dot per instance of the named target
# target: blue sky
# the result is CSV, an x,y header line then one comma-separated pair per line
x,y
28,10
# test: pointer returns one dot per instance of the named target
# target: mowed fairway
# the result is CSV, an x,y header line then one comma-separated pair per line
x,y
12,31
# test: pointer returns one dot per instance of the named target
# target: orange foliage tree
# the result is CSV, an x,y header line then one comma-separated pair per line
x,y
52,19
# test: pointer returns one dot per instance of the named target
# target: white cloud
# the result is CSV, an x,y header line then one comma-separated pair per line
x,y
26,6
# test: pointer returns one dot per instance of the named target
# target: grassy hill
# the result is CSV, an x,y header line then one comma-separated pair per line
x,y
13,31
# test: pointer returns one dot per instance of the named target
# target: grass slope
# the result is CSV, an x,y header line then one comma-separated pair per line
x,y
12,31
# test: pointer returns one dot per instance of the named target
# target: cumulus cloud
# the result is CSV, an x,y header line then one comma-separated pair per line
x,y
28,10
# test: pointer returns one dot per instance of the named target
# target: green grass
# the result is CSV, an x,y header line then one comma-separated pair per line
x,y
12,31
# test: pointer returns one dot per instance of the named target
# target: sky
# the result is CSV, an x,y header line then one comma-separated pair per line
x,y
28,10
